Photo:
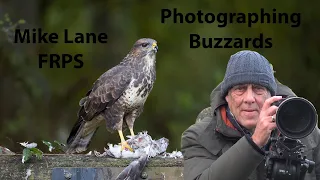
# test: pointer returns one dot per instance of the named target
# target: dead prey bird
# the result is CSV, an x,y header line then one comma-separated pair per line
x,y
134,169
117,98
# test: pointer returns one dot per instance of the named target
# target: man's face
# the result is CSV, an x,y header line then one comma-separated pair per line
x,y
245,102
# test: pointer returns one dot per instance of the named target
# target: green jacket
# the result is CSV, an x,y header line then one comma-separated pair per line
x,y
214,151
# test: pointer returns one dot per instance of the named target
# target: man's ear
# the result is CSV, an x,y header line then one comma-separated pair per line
x,y
227,98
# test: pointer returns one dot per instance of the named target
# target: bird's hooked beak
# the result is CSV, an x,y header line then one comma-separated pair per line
x,y
155,47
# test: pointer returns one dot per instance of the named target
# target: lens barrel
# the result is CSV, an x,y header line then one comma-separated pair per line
x,y
296,117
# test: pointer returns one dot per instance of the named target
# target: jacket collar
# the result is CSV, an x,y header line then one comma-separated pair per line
x,y
219,127
216,98
223,125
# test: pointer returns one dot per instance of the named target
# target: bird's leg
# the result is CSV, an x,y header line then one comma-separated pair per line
x,y
131,131
124,143
130,118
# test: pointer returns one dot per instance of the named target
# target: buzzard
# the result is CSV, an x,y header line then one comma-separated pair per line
x,y
117,97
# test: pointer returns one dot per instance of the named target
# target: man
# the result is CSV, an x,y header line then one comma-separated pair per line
x,y
228,139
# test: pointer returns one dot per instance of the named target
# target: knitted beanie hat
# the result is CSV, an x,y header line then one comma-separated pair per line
x,y
248,67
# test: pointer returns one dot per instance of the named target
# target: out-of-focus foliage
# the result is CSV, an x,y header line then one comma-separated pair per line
x,y
37,104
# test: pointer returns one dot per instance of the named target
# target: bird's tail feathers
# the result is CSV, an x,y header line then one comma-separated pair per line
x,y
80,144
81,135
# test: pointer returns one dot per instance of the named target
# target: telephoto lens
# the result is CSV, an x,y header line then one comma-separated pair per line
x,y
296,117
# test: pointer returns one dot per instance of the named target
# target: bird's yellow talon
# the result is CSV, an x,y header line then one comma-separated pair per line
x,y
125,145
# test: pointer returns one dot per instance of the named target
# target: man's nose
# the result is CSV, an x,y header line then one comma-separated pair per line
x,y
249,96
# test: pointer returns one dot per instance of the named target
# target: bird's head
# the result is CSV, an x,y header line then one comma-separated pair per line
x,y
145,46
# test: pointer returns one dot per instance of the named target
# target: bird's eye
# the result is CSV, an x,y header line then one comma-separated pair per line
x,y
144,44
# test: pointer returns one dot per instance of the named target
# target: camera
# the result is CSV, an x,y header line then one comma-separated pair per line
x,y
296,118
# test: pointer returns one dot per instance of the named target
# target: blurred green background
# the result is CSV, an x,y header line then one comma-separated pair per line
x,y
41,104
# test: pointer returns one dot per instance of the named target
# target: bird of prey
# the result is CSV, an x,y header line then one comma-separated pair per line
x,y
117,98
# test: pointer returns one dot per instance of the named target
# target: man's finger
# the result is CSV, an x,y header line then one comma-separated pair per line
x,y
269,101
271,111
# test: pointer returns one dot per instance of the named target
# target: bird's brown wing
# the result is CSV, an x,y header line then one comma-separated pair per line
x,y
104,93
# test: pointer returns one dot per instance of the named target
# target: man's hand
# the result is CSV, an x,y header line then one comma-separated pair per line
x,y
265,125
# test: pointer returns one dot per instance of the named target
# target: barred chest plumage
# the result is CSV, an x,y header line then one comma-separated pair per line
x,y
136,96
140,87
